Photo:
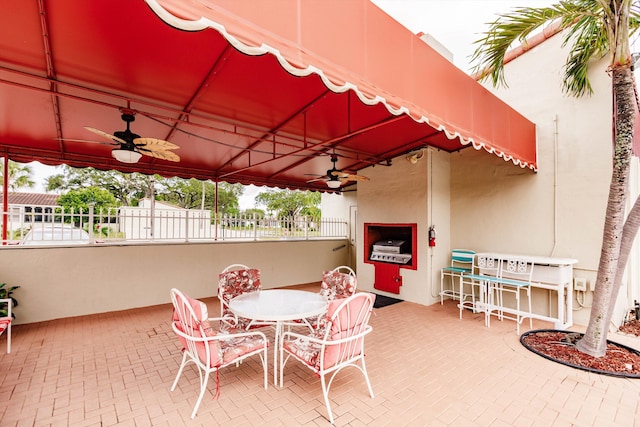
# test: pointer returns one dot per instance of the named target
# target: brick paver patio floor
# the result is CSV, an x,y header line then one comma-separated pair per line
x,y
427,368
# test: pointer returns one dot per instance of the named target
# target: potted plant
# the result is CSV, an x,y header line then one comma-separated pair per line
x,y
7,292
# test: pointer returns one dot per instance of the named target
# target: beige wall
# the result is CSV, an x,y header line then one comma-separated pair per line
x,y
479,201
337,205
409,193
560,210
344,205
65,282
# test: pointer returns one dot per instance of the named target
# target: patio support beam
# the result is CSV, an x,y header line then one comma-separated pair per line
x,y
328,142
127,101
274,130
204,85
5,196
51,72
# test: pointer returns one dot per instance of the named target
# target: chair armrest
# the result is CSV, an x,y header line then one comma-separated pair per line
x,y
294,335
368,329
219,336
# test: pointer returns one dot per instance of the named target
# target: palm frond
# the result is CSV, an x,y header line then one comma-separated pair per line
x,y
589,40
593,30
510,28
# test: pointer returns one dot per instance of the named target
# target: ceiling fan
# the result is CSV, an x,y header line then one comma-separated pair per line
x,y
336,178
131,147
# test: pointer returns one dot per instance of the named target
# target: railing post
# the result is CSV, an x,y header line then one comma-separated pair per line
x,y
307,226
186,221
215,226
91,221
255,227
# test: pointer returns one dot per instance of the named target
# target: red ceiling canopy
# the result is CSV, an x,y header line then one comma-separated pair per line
x,y
251,92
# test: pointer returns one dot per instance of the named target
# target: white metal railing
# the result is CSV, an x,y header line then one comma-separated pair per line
x,y
176,225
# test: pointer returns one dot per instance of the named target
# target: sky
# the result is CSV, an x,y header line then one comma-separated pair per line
x,y
456,24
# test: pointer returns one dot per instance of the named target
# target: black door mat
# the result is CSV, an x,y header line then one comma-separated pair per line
x,y
382,301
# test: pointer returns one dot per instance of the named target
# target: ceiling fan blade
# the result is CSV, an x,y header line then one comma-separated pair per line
x,y
322,178
355,177
91,141
159,154
154,144
349,176
106,135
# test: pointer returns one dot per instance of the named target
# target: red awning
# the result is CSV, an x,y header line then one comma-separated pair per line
x,y
252,92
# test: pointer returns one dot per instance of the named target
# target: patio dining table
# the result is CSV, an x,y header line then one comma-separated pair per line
x,y
280,306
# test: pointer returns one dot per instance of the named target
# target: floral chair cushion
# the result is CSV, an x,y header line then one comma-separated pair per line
x,y
309,351
337,285
4,323
234,283
235,347
305,350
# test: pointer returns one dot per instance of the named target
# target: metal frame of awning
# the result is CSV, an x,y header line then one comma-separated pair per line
x,y
254,94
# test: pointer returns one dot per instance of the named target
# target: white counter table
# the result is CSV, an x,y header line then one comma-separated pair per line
x,y
555,275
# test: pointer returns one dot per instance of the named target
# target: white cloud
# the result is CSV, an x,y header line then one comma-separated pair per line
x,y
246,201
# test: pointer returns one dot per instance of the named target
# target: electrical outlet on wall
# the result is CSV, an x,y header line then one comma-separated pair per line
x,y
579,284
592,285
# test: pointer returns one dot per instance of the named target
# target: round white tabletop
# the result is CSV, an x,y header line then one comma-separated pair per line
x,y
278,305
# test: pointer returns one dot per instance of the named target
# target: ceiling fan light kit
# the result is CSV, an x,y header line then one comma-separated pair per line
x,y
126,156
333,183
336,178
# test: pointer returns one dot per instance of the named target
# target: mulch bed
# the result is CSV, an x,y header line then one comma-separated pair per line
x,y
559,346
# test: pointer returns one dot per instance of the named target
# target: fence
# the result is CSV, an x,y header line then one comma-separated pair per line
x,y
144,225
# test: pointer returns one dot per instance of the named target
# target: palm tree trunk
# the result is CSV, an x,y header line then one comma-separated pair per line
x,y
594,341
629,233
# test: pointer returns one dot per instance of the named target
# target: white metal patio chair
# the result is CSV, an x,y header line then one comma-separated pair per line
x,y
5,322
461,263
515,276
341,282
337,345
211,350
345,269
238,279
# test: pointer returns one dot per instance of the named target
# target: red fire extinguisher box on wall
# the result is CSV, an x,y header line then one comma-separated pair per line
x,y
390,247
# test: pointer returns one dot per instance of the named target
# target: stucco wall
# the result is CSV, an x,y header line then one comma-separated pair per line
x,y
560,210
65,282
337,205
408,193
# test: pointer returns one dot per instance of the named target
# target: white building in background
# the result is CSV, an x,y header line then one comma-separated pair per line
x,y
161,220
25,209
